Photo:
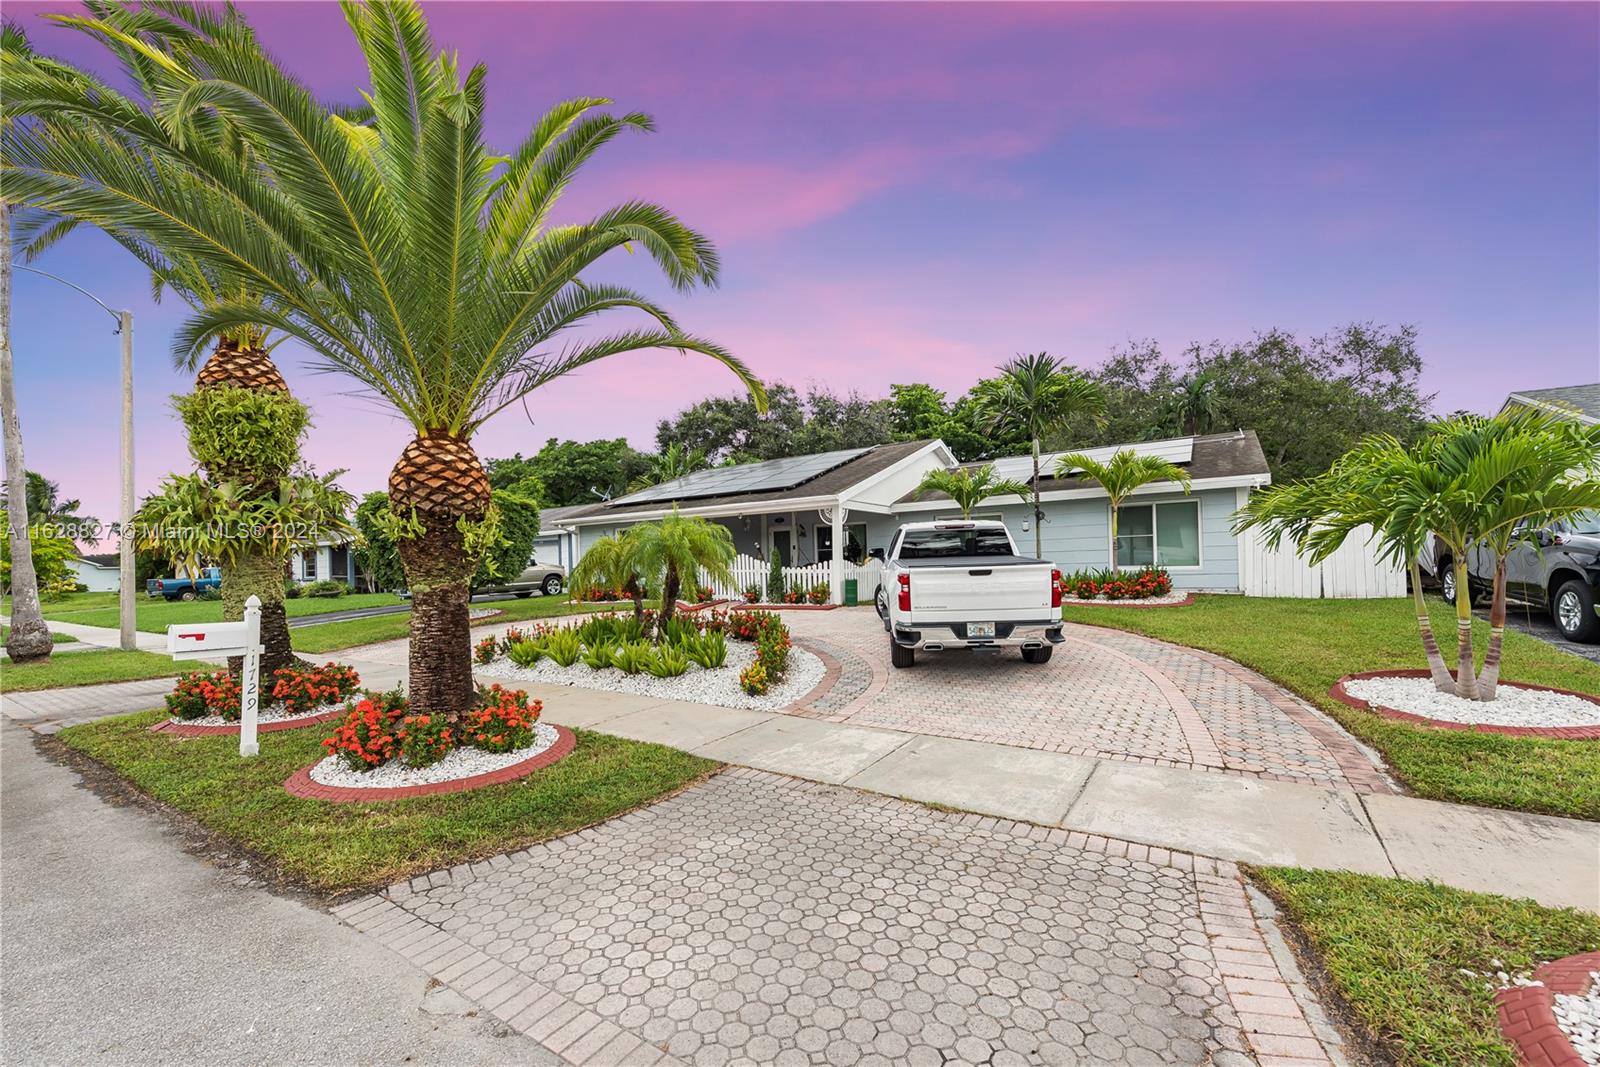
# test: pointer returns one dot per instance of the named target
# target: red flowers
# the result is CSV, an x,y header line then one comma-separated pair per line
x,y
367,737
425,739
486,649
200,694
502,722
303,690
1127,585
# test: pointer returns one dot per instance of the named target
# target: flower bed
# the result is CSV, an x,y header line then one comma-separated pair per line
x,y
1146,584
209,702
1519,709
740,659
380,749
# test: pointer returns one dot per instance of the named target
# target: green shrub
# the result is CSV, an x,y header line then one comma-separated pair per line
x,y
598,629
775,581
668,662
425,739
630,629
633,657
709,650
600,655
526,653
562,645
753,679
679,630
291,590
772,650
329,588
209,592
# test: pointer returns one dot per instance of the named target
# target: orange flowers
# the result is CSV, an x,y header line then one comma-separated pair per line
x,y
303,690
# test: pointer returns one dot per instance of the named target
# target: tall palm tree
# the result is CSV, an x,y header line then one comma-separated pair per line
x,y
1037,395
676,549
1126,471
612,563
29,638
674,462
1192,408
391,241
967,487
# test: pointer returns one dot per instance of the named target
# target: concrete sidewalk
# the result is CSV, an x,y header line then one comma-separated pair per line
x,y
1552,860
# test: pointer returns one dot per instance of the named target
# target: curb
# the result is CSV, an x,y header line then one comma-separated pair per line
x,y
301,784
1527,1015
183,729
1559,733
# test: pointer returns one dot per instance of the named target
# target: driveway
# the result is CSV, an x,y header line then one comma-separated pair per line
x,y
1536,624
1104,694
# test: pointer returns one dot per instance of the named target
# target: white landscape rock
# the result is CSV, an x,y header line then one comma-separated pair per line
x,y
1176,596
463,762
1512,705
1579,1018
271,713
719,686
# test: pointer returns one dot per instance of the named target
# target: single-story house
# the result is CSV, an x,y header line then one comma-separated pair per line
x,y
557,542
331,558
101,572
837,508
1580,403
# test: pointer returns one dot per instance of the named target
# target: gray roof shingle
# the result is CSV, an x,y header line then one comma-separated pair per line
x,y
1584,399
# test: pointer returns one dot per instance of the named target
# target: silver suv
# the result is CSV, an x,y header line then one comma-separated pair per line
x,y
1557,570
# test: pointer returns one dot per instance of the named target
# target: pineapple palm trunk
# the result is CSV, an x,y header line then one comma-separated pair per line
x,y
438,569
1490,678
1466,682
1430,645
260,574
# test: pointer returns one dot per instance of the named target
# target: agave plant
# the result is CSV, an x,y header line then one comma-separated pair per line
x,y
600,654
633,657
668,662
709,650
563,646
527,653
391,241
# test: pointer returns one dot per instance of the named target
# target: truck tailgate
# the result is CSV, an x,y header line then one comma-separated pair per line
x,y
981,592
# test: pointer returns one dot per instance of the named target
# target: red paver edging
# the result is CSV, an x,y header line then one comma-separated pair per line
x,y
1561,733
1527,1013
1074,602
184,729
831,670
301,784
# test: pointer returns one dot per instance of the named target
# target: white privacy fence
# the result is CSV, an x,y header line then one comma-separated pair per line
x,y
1353,573
749,571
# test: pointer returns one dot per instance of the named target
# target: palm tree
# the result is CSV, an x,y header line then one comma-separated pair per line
x,y
1126,471
391,241
673,463
29,638
1193,405
1036,395
610,563
676,550
968,487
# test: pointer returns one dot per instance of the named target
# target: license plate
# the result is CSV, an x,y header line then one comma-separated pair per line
x,y
980,629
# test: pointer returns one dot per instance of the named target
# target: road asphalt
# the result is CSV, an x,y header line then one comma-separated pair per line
x,y
108,920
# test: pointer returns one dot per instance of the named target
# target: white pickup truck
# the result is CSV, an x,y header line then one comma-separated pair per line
x,y
961,585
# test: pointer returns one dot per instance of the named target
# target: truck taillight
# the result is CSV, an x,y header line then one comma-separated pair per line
x,y
1055,588
905,592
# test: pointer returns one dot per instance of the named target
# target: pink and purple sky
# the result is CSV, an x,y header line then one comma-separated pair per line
x,y
916,192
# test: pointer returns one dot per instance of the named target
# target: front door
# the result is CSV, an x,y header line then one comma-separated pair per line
x,y
781,546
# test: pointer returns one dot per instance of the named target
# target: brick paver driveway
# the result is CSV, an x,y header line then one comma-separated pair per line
x,y
1104,693
762,919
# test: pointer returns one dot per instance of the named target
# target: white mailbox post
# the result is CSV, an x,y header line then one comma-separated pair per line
x,y
230,639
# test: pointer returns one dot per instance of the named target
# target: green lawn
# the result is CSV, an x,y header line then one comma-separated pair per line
x,y
337,847
1307,645
55,639
154,616
332,636
91,668
1396,951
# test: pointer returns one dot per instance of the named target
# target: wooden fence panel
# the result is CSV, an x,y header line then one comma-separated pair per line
x,y
1353,573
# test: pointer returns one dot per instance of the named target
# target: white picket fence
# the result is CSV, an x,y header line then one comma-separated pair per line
x,y
1353,573
748,571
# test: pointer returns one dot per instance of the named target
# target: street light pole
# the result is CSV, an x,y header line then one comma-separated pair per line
x,y
129,635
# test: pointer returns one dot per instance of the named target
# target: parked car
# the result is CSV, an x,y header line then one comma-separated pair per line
x,y
546,578
184,588
1555,570
962,586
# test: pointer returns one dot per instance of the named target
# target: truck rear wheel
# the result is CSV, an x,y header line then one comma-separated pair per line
x,y
900,655
187,594
1037,655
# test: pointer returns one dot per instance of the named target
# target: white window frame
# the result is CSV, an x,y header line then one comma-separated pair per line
x,y
1155,534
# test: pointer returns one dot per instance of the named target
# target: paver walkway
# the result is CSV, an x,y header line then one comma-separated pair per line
x,y
757,919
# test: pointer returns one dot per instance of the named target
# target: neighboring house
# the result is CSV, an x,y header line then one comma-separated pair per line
x,y
333,559
557,542
838,507
101,572
1578,402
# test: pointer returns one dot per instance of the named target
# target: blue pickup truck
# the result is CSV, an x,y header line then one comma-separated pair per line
x,y
184,588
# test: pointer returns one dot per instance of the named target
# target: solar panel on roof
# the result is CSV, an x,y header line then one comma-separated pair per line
x,y
769,475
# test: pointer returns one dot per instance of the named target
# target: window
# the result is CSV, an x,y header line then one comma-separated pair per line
x,y
943,544
855,542
1165,535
